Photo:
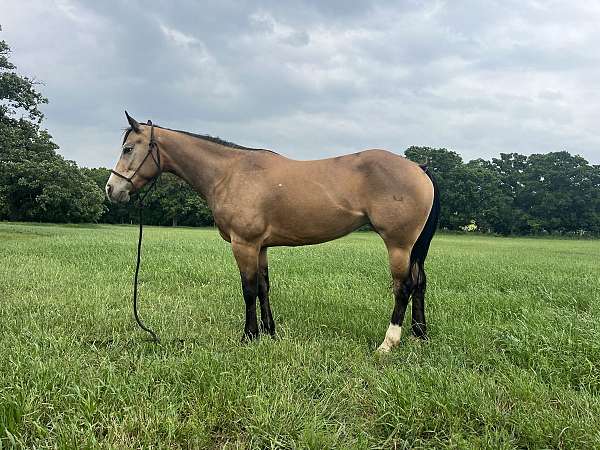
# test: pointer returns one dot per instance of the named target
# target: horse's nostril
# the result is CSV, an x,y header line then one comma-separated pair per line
x,y
109,189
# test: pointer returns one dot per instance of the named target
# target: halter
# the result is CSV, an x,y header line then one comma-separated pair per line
x,y
151,146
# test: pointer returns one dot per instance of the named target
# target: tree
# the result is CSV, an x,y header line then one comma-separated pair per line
x,y
482,200
35,182
560,193
16,91
511,168
49,190
515,194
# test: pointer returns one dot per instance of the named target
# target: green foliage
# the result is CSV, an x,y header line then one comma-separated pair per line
x,y
516,194
512,360
35,182
48,190
561,192
17,92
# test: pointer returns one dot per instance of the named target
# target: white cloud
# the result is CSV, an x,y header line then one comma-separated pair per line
x,y
177,36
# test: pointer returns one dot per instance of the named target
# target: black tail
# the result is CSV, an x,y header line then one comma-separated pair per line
x,y
421,247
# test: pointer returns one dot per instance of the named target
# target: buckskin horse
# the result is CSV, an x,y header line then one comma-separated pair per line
x,y
261,199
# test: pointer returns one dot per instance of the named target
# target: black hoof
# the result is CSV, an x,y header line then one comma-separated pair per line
x,y
268,327
269,331
249,337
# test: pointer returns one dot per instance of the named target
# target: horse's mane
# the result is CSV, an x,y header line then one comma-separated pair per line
x,y
205,137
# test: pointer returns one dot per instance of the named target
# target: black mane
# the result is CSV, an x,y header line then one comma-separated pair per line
x,y
205,137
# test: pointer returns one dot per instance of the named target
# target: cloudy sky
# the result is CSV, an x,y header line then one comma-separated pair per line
x,y
316,78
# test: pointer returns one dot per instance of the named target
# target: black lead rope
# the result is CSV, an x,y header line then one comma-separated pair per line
x,y
137,266
151,146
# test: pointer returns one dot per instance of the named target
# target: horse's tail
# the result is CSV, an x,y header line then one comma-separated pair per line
x,y
421,247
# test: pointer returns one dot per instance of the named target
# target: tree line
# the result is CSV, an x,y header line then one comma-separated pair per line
x,y
513,194
554,192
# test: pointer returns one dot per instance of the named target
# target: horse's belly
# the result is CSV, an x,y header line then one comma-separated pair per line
x,y
312,225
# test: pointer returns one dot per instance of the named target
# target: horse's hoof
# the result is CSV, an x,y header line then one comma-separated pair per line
x,y
248,337
269,331
420,337
419,330
383,349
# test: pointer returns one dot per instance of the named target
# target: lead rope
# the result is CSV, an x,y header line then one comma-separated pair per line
x,y
140,206
137,267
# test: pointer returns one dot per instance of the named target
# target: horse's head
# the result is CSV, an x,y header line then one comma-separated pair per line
x,y
138,164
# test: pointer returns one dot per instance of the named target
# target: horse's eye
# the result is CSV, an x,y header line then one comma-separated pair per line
x,y
127,150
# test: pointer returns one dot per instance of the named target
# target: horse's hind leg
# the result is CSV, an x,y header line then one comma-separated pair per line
x,y
266,317
419,328
399,259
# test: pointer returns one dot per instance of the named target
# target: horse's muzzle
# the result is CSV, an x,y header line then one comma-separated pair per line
x,y
116,194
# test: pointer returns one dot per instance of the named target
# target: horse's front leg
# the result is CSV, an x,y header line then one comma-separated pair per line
x,y
246,256
266,316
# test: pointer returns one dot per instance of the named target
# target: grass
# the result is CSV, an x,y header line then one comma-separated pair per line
x,y
513,360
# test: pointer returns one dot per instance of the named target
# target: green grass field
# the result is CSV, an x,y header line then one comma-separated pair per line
x,y
513,358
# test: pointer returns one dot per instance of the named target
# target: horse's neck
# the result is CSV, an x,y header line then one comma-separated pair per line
x,y
202,164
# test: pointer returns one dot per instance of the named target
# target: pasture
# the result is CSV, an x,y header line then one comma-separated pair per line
x,y
513,358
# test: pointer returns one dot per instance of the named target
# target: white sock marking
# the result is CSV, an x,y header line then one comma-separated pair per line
x,y
392,338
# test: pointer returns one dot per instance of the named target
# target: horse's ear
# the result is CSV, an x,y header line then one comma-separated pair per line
x,y
133,123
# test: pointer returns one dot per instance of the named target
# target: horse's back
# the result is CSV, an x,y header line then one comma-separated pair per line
x,y
362,177
390,191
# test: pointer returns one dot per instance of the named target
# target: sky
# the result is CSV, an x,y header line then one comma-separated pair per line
x,y
312,79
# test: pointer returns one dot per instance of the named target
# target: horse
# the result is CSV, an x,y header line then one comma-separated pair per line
x,y
261,199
